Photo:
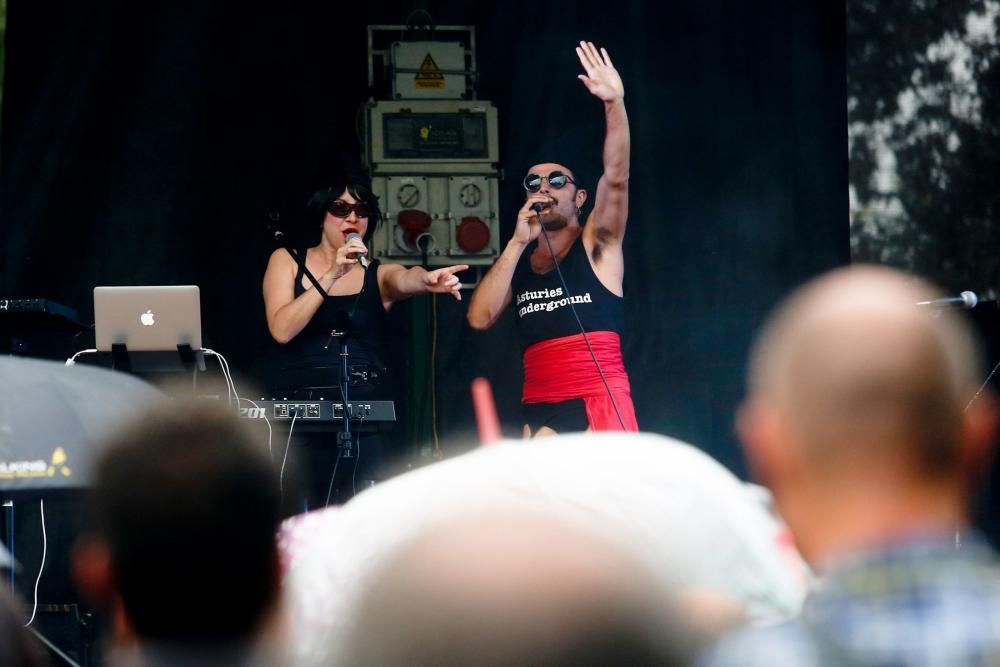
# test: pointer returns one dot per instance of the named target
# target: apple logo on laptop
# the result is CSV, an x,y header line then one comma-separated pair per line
x,y
147,318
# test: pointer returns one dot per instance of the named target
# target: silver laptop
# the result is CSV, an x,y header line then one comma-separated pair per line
x,y
147,319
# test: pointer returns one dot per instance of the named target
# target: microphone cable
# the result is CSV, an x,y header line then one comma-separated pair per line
x,y
333,476
579,323
982,388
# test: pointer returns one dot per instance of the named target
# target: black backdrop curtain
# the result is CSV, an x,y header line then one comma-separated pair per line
x,y
146,143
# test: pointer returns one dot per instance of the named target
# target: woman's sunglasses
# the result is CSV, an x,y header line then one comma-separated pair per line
x,y
557,179
342,209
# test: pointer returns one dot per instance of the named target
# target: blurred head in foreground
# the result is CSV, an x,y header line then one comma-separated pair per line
x,y
185,505
514,588
855,415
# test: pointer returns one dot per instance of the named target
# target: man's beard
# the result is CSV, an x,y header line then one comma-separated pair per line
x,y
553,221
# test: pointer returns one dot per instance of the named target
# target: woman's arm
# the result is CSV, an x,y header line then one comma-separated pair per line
x,y
287,314
397,283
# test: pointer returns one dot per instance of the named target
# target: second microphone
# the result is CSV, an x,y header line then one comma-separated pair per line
x,y
362,257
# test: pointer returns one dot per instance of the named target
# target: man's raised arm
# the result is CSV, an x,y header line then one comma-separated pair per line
x,y
607,221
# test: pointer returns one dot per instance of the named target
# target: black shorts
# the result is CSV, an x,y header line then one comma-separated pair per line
x,y
563,417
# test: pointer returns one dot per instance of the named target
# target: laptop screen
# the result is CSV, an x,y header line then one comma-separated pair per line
x,y
147,319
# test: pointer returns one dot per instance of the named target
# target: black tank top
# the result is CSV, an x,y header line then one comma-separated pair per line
x,y
542,307
312,358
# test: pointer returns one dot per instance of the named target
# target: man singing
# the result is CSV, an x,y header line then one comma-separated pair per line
x,y
567,289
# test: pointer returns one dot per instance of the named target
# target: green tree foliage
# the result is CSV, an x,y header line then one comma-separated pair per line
x,y
924,138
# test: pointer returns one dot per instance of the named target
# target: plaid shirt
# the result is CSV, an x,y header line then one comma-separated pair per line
x,y
918,603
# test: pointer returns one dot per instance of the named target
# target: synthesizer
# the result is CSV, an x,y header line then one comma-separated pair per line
x,y
319,411
21,315
36,306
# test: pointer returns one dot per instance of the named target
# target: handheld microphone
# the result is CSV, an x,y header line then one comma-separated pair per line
x,y
964,301
362,257
538,207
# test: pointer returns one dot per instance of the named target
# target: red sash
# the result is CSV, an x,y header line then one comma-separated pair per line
x,y
561,369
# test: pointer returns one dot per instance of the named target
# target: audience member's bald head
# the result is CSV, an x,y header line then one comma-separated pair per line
x,y
514,589
852,363
854,388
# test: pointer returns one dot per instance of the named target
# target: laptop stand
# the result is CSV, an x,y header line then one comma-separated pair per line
x,y
185,359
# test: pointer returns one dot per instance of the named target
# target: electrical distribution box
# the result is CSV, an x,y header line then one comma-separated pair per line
x,y
437,219
433,151
434,171
428,70
443,134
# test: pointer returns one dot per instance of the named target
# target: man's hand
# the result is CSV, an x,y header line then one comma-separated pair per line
x,y
528,226
601,78
444,281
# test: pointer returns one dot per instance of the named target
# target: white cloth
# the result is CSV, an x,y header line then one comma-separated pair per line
x,y
691,520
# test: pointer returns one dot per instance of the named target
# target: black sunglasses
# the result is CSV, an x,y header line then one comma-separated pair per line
x,y
342,209
556,179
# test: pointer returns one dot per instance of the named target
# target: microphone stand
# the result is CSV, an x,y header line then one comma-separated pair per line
x,y
344,436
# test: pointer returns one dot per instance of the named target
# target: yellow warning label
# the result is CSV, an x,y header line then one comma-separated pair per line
x,y
59,459
429,74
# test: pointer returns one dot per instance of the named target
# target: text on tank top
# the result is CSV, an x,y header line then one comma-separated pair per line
x,y
543,308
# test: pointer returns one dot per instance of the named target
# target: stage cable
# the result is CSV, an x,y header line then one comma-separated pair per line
x,y
579,323
72,360
41,567
227,374
267,421
357,459
284,459
333,475
232,393
434,341
55,649
10,544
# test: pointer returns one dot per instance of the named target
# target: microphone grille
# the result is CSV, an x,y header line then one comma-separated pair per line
x,y
970,299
